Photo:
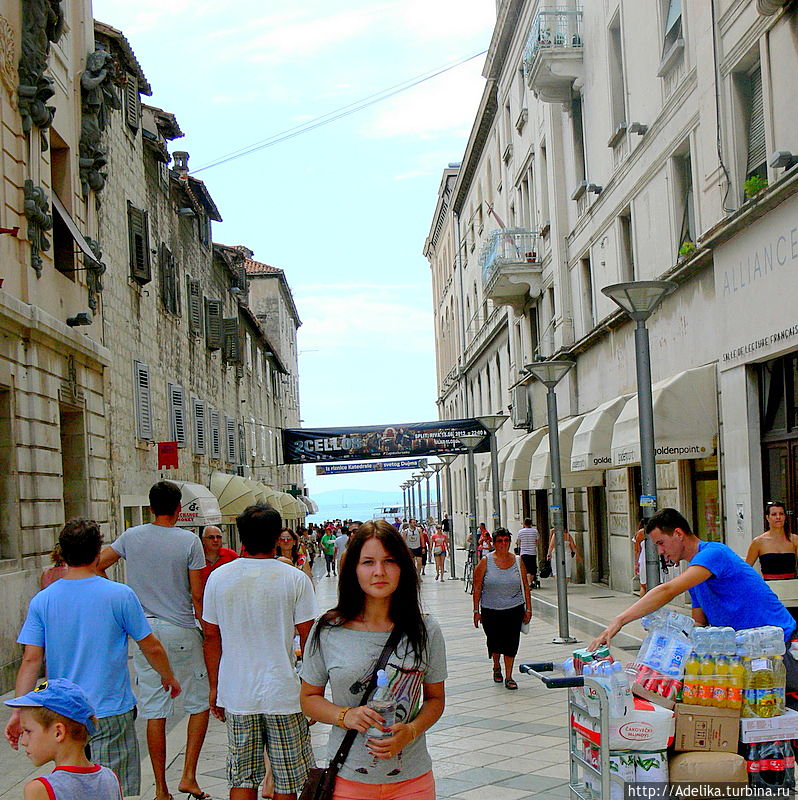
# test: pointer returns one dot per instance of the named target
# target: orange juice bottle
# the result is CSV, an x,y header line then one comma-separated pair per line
x,y
734,696
692,681
707,675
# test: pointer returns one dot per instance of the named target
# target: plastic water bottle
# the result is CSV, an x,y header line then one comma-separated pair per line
x,y
383,703
621,690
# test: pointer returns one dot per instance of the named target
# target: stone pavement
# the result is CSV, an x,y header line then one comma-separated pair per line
x,y
490,742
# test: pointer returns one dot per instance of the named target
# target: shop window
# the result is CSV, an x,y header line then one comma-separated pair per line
x,y
706,499
778,396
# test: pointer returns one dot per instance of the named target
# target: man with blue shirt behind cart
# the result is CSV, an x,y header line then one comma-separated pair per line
x,y
724,590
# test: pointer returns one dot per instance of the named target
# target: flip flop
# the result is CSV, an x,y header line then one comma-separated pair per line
x,y
497,675
510,684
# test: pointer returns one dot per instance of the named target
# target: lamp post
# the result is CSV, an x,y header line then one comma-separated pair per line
x,y
418,478
403,487
639,299
550,373
427,473
492,423
436,467
471,441
446,461
410,510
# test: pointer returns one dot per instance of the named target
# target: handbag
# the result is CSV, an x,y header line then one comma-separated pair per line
x,y
545,570
320,782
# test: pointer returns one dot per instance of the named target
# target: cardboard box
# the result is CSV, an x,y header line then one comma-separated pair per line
x,y
646,728
725,771
769,729
706,728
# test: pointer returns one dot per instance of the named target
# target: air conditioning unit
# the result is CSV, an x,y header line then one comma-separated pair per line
x,y
521,408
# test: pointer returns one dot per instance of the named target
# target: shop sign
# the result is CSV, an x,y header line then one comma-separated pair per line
x,y
167,455
754,272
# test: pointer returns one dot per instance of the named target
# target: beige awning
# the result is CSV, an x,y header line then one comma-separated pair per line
x,y
504,453
516,468
592,444
311,504
232,493
540,468
198,505
484,473
274,498
295,509
685,419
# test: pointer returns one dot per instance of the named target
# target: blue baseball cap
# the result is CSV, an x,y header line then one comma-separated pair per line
x,y
61,696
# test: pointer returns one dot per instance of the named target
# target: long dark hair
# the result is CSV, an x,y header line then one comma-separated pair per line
x,y
405,606
294,545
779,504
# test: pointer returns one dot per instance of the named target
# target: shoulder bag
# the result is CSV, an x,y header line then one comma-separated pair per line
x,y
321,780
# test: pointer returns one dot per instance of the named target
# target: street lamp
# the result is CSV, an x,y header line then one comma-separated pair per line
x,y
436,467
403,487
471,441
639,299
418,478
427,473
550,373
410,510
446,460
492,423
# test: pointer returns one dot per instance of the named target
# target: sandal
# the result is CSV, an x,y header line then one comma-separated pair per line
x,y
497,675
510,684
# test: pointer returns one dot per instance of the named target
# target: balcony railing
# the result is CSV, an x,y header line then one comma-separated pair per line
x,y
509,246
553,29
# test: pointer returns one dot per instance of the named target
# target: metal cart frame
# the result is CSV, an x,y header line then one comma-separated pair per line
x,y
576,702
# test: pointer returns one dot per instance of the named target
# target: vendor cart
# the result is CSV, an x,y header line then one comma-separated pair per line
x,y
588,781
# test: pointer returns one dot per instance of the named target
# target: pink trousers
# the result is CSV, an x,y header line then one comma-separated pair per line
x,y
420,788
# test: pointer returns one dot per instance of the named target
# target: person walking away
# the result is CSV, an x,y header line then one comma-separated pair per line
x,y
378,597
439,542
528,542
502,603
412,538
328,548
254,687
164,569
425,547
339,547
571,552
57,720
215,554
81,625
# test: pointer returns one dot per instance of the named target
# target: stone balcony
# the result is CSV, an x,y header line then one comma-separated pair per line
x,y
511,266
553,55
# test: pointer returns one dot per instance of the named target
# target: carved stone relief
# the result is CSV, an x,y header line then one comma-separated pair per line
x,y
42,23
8,72
37,212
94,272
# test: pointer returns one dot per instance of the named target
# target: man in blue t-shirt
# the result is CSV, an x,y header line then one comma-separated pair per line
x,y
81,624
724,589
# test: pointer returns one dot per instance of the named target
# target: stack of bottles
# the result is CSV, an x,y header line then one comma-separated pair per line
x,y
660,663
765,679
714,672
771,765
612,677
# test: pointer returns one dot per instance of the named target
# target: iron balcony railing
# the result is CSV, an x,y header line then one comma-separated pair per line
x,y
553,30
509,246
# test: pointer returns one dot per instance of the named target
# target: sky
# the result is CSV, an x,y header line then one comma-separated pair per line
x,y
343,209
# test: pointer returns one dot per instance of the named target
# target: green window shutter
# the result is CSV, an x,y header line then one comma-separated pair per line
x,y
194,307
139,243
232,341
214,333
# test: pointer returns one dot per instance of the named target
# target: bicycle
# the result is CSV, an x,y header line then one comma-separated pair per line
x,y
468,572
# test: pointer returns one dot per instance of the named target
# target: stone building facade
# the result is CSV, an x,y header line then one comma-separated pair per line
x,y
614,144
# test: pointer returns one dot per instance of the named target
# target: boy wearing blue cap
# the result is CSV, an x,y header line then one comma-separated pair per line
x,y
57,720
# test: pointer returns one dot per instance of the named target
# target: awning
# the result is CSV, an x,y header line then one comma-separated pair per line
x,y
504,454
232,493
310,504
294,508
516,468
484,473
198,505
540,467
685,419
274,498
80,241
592,444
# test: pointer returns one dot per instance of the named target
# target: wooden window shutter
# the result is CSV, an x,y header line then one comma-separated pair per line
x,y
194,307
215,434
214,333
141,388
132,101
177,414
757,145
139,243
230,426
199,427
232,340
242,442
167,268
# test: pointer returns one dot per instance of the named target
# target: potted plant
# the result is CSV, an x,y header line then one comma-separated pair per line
x,y
687,249
753,185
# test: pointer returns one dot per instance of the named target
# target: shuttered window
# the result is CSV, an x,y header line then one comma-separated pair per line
x,y
141,389
132,101
214,332
139,244
232,340
216,450
199,426
167,275
242,443
230,433
757,152
194,307
177,415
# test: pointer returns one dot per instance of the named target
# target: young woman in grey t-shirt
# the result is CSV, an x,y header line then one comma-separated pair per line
x,y
378,589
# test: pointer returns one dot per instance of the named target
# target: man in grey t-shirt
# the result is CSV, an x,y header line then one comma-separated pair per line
x,y
164,569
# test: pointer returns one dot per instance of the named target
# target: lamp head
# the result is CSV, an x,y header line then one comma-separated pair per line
x,y
549,373
639,298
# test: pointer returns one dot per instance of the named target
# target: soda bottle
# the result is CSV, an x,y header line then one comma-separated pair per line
x,y
776,766
734,696
707,685
720,689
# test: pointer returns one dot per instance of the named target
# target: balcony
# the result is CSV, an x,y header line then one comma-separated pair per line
x,y
511,266
553,55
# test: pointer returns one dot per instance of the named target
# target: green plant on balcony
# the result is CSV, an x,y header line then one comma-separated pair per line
x,y
753,185
687,249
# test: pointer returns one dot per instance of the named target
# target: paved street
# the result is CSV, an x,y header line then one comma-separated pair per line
x,y
513,742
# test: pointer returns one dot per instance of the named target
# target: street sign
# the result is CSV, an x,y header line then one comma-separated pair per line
x,y
371,466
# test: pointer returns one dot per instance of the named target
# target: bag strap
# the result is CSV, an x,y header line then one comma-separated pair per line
x,y
349,738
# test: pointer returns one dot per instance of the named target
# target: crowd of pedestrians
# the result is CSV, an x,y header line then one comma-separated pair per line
x,y
238,635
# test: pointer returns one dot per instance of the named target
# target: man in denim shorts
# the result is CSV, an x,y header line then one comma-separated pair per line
x,y
254,684
164,569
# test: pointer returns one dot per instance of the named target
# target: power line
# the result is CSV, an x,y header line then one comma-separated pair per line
x,y
338,113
